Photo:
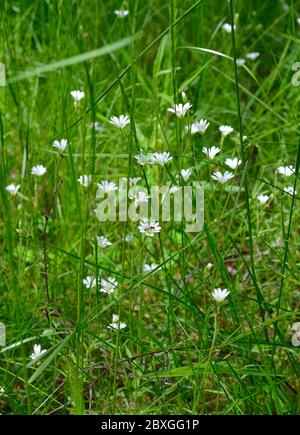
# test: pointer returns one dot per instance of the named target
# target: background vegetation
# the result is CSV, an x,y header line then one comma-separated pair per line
x,y
179,352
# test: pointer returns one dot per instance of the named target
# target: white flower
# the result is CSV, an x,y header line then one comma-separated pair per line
x,y
233,163
186,173
120,121
290,190
241,61
252,56
38,170
121,13
225,129
131,181
296,326
174,189
141,197
222,178
209,266
142,159
61,145
263,198
180,109
134,181
149,228
285,7
296,335
106,186
89,282
109,285
161,158
47,332
211,152
103,242
13,189
199,126
286,170
2,391
220,295
298,21
133,192
96,126
129,238
296,339
37,352
116,324
77,95
149,267
85,180
227,27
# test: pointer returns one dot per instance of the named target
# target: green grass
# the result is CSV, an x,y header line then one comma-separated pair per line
x,y
180,353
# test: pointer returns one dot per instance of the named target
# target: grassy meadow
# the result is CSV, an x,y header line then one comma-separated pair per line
x,y
119,317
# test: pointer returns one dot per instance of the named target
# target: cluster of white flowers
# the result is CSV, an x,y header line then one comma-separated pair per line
x,y
61,145
211,153
227,28
149,228
286,171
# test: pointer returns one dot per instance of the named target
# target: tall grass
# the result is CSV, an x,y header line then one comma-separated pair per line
x,y
180,352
